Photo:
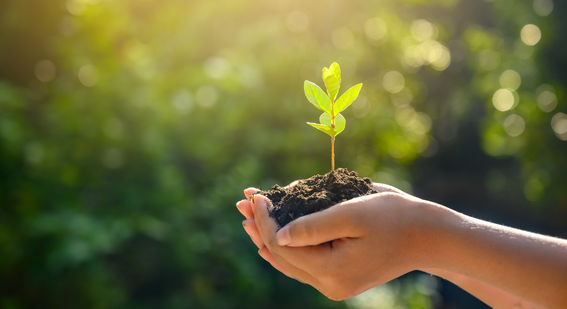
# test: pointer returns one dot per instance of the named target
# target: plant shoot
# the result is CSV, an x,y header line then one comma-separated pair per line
x,y
331,121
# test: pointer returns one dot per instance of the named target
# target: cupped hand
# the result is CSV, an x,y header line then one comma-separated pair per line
x,y
344,250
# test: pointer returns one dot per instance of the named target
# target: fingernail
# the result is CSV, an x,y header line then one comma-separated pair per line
x,y
260,252
265,202
282,236
246,222
260,202
246,228
238,204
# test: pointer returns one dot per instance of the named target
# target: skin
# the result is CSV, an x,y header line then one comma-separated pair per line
x,y
362,243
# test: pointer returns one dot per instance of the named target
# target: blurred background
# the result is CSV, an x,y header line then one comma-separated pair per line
x,y
128,130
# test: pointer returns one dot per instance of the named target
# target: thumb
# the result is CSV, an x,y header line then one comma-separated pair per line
x,y
339,221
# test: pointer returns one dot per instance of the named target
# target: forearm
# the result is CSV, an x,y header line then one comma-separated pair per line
x,y
490,295
528,266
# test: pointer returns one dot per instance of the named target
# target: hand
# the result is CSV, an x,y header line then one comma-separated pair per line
x,y
340,251
481,257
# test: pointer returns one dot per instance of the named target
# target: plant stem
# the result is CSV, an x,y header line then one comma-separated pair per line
x,y
332,137
332,153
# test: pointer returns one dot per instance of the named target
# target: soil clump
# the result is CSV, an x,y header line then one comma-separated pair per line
x,y
315,194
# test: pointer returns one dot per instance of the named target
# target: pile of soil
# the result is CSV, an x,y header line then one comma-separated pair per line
x,y
315,194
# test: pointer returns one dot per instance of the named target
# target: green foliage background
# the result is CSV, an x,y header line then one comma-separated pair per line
x,y
123,154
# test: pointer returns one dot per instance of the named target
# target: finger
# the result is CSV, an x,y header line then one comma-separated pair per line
x,y
298,261
248,192
337,222
291,185
267,227
245,208
252,231
267,255
381,187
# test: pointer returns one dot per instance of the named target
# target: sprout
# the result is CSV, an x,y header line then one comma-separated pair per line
x,y
332,122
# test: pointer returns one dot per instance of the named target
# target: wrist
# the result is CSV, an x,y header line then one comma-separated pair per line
x,y
431,224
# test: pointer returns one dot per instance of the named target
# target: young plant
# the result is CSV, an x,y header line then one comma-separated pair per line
x,y
332,122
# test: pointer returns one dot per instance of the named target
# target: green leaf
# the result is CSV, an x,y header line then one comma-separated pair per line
x,y
346,99
328,130
326,119
335,69
340,124
317,96
332,84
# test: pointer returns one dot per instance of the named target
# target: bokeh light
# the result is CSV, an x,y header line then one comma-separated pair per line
x,y
510,79
393,81
217,67
530,34
375,29
503,100
401,98
76,7
88,75
489,59
343,38
34,152
112,158
207,96
45,71
514,125
182,100
297,22
543,7
423,30
559,125
546,98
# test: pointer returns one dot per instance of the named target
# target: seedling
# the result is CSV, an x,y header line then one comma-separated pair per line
x,y
332,122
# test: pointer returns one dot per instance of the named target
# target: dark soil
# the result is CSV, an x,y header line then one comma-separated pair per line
x,y
315,194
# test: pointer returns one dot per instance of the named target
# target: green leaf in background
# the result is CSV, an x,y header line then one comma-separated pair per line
x,y
326,119
340,123
317,96
332,83
335,69
323,127
346,99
